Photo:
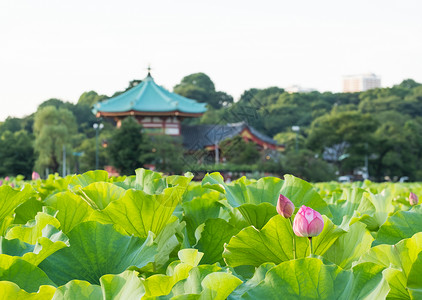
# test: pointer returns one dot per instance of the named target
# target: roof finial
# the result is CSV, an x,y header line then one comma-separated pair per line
x,y
149,70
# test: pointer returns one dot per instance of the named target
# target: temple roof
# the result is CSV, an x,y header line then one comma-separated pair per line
x,y
148,98
197,137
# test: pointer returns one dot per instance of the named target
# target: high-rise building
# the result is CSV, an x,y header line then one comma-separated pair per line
x,y
360,83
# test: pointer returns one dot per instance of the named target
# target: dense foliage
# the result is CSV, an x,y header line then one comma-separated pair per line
x,y
339,132
152,237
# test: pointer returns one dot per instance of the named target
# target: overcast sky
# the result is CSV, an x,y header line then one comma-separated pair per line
x,y
60,49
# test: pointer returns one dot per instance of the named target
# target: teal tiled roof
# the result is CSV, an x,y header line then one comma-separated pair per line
x,y
149,97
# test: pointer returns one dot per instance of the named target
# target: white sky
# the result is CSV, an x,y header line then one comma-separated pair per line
x,y
60,49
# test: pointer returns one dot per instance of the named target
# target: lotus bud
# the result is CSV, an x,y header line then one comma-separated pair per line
x,y
285,207
35,176
413,199
1,182
6,178
307,222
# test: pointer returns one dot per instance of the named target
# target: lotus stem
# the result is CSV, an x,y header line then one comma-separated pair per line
x,y
294,240
310,242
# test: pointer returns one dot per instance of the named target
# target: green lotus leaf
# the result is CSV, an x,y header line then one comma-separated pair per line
x,y
11,291
242,191
218,286
95,250
161,285
31,231
27,276
27,211
89,177
399,258
71,209
274,243
215,233
257,215
10,199
126,285
414,280
329,235
309,278
401,225
101,194
197,211
350,246
138,212
78,289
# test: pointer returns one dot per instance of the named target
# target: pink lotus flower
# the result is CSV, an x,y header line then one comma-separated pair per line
x,y
413,199
35,176
285,207
307,222
1,182
6,178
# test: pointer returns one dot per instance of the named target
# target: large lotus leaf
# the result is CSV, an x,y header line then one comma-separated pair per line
x,y
301,193
31,231
257,215
101,194
161,285
218,286
354,202
258,276
329,235
51,241
401,225
192,284
383,204
71,209
414,281
198,210
89,177
149,181
97,249
126,285
11,291
10,199
195,190
138,212
27,211
243,191
274,243
215,233
400,258
350,246
309,278
78,289
24,274
166,242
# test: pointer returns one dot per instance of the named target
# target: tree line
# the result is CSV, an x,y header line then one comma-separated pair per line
x,y
338,133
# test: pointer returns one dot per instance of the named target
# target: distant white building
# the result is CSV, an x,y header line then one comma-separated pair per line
x,y
360,83
298,89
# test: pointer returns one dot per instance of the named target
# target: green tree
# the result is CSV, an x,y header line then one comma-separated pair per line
x,y
16,153
90,98
349,132
200,87
128,146
54,129
166,153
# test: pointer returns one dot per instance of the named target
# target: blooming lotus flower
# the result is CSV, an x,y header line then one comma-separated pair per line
x,y
285,207
413,199
307,222
35,176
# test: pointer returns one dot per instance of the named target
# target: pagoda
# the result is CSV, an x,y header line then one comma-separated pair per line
x,y
156,109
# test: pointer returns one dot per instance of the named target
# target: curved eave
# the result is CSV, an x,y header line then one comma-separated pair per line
x,y
176,113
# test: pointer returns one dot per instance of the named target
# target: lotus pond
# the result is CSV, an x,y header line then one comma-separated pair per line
x,y
149,236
